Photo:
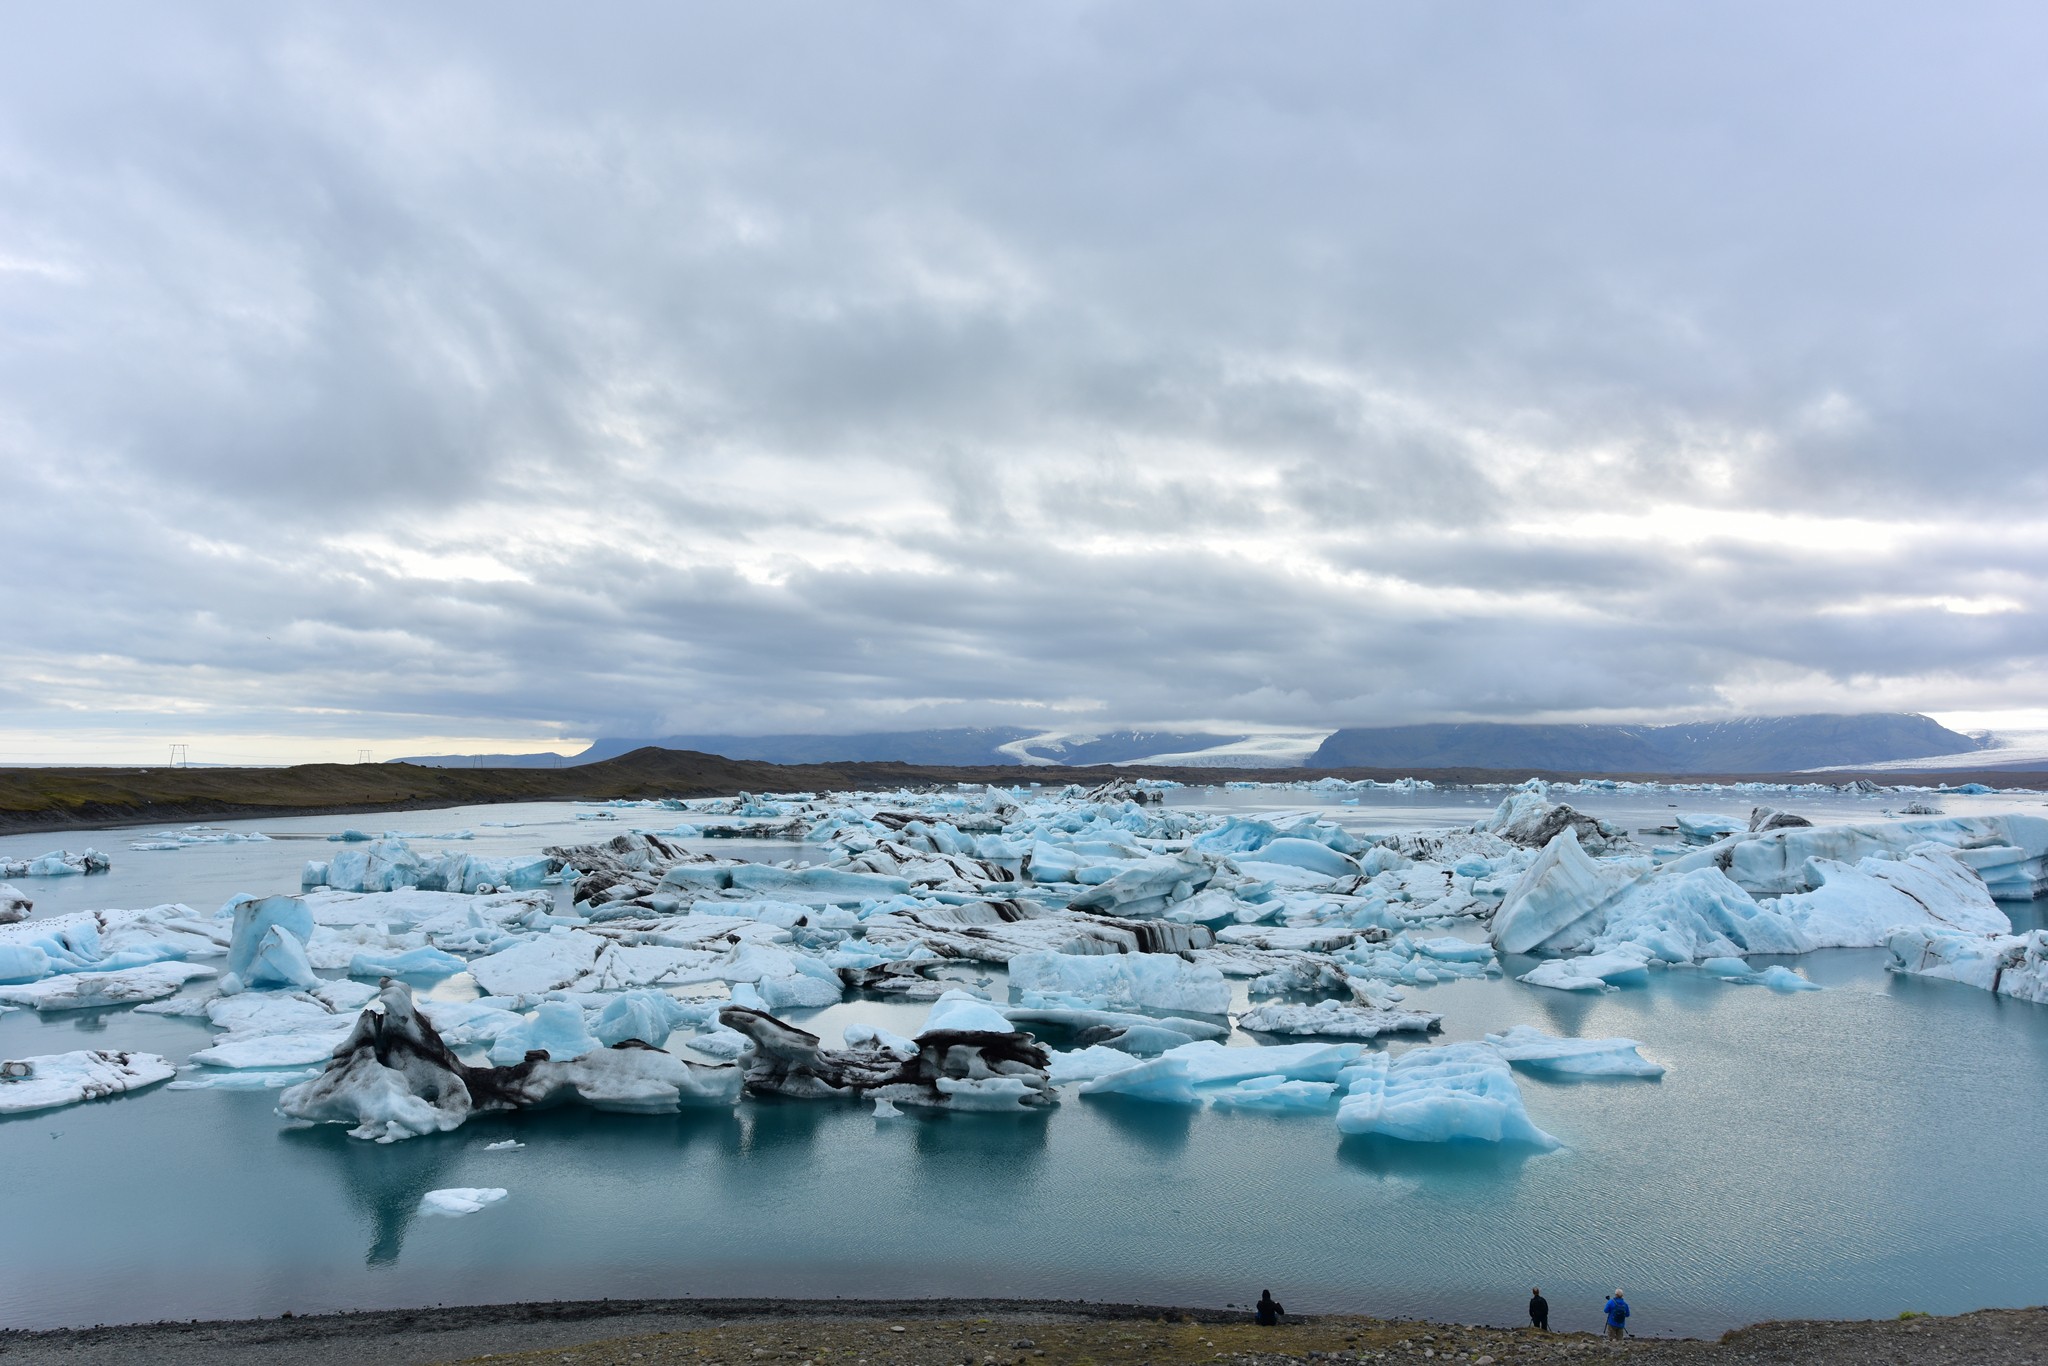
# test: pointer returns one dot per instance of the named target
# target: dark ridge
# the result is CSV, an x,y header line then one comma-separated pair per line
x,y
1757,744
84,798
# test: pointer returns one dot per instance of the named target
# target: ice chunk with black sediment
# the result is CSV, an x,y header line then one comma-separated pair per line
x,y
1116,1029
2013,965
394,1078
1531,1048
628,1078
1338,1020
1529,818
14,904
391,1077
1158,981
964,1069
58,863
1460,1092
54,1079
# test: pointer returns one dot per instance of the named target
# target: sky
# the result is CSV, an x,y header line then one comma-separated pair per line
x,y
493,377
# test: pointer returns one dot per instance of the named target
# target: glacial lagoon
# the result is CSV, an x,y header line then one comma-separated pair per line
x,y
1857,1151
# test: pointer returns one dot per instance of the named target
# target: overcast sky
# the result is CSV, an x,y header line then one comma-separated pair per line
x,y
424,377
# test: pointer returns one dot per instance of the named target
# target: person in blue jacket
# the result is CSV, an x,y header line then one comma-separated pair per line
x,y
1617,1315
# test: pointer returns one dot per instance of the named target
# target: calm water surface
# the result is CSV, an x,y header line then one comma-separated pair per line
x,y
1859,1151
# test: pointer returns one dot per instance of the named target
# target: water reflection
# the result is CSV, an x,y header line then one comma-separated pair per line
x,y
384,1181
1160,1129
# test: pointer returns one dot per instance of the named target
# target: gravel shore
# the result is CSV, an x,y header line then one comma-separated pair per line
x,y
984,1333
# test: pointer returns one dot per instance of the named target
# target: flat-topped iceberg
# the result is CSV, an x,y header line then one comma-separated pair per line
x,y
1160,981
44,1083
1459,1092
1529,1047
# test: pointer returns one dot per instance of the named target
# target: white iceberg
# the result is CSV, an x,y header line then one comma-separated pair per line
x,y
44,1083
93,990
456,1201
1337,1019
1529,1047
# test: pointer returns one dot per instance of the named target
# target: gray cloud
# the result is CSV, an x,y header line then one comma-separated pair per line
x,y
477,373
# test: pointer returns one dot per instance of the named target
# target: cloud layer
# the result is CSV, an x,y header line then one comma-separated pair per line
x,y
491,375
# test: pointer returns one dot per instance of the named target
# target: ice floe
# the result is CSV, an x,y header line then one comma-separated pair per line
x,y
58,863
456,1201
44,1083
1528,1047
1459,1092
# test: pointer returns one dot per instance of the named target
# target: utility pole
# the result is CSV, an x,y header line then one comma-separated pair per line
x,y
362,756
178,759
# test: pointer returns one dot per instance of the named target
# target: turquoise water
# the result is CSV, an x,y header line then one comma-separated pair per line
x,y
1853,1152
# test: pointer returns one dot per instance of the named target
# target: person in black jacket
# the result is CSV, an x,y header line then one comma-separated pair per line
x,y
1539,1310
1269,1310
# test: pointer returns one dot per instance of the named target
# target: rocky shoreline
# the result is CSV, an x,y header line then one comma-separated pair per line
x,y
985,1333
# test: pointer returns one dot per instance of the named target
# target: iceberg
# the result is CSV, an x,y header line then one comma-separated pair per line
x,y
94,990
1338,1019
457,1201
1857,907
267,947
1562,888
2013,965
647,1016
816,884
962,1069
422,962
1460,1092
393,1078
60,863
44,1083
556,1029
1276,1094
1624,966
1121,981
533,967
14,904
1531,1048
1183,1075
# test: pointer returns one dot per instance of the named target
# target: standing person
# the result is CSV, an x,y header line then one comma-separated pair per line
x,y
1617,1315
1269,1310
1539,1310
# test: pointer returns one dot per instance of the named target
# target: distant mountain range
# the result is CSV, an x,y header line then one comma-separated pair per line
x,y
1764,744
1757,744
964,746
